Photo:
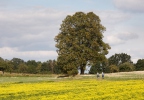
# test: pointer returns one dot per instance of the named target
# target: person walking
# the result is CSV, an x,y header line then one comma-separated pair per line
x,y
102,75
98,75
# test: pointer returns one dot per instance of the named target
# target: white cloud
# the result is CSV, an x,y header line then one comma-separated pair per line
x,y
9,53
112,17
130,5
30,26
127,36
29,33
28,20
113,40
120,38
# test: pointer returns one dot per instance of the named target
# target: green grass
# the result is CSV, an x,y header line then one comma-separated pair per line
x,y
126,76
22,78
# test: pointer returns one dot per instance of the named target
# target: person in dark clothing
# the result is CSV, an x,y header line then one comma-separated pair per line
x,y
102,75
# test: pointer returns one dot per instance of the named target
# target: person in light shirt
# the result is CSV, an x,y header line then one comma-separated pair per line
x,y
98,75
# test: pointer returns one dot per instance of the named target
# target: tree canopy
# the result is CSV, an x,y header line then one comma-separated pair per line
x,y
118,59
126,67
17,65
80,41
140,64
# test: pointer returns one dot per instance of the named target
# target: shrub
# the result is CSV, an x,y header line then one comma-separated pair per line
x,y
73,72
113,68
126,67
93,70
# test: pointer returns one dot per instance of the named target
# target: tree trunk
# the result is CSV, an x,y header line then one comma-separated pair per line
x,y
82,70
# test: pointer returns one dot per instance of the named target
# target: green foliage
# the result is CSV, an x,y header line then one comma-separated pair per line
x,y
97,67
22,68
93,69
56,69
113,68
126,67
140,64
80,41
16,62
2,65
45,68
73,72
18,65
10,67
118,59
32,65
50,63
100,67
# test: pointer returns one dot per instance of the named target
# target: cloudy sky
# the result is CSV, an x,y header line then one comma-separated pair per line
x,y
28,27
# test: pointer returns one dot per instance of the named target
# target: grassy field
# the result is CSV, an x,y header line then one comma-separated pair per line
x,y
115,86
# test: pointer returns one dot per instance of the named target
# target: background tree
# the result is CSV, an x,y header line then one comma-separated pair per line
x,y
94,69
10,66
50,62
45,67
140,64
118,59
126,67
38,68
80,41
16,62
113,68
32,65
18,65
56,68
2,65
22,68
98,67
1,59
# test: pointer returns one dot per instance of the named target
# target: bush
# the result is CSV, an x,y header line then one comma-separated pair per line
x,y
73,72
113,68
93,70
126,67
98,67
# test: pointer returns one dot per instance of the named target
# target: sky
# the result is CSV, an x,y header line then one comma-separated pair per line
x,y
28,27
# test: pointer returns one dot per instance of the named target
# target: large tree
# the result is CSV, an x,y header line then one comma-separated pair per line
x,y
80,41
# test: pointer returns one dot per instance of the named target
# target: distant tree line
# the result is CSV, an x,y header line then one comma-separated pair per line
x,y
117,63
17,65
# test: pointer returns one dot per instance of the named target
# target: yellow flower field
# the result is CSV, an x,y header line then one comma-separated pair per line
x,y
84,89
